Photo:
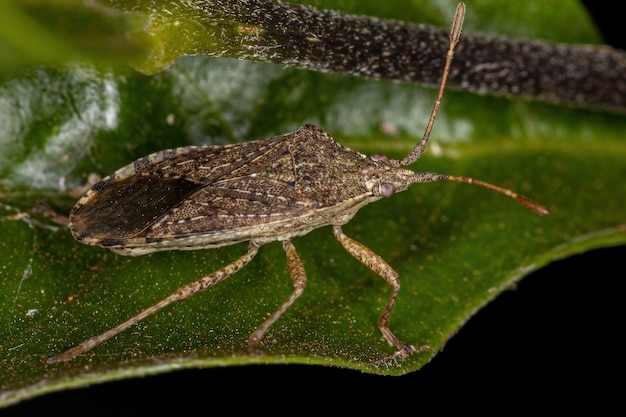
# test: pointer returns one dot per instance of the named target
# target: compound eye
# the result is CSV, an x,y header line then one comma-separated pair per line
x,y
387,189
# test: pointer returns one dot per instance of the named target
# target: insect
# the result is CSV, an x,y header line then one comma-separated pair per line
x,y
275,189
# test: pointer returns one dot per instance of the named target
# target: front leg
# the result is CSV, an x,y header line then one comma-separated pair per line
x,y
377,264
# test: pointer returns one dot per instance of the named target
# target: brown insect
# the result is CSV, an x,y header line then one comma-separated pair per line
x,y
275,189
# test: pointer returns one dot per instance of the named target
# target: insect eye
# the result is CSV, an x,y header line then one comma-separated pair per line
x,y
387,189
377,157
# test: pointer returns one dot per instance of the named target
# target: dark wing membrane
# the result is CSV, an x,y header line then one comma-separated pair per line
x,y
124,208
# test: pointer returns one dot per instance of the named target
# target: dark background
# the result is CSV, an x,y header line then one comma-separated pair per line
x,y
552,343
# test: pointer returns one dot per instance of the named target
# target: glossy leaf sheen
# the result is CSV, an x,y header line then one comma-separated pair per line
x,y
455,246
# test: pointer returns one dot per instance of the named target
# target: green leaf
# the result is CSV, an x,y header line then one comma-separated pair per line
x,y
455,246
41,31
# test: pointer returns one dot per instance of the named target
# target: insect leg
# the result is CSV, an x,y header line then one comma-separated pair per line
x,y
180,294
377,264
298,275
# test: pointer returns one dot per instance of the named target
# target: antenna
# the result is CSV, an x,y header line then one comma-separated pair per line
x,y
414,155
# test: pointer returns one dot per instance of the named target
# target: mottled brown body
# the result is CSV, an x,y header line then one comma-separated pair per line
x,y
211,196
263,191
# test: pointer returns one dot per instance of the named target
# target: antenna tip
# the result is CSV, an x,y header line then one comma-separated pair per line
x,y
457,24
532,205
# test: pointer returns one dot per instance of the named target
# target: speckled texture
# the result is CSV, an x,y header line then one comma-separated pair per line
x,y
326,40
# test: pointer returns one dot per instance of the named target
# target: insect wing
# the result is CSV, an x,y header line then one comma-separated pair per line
x,y
187,191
